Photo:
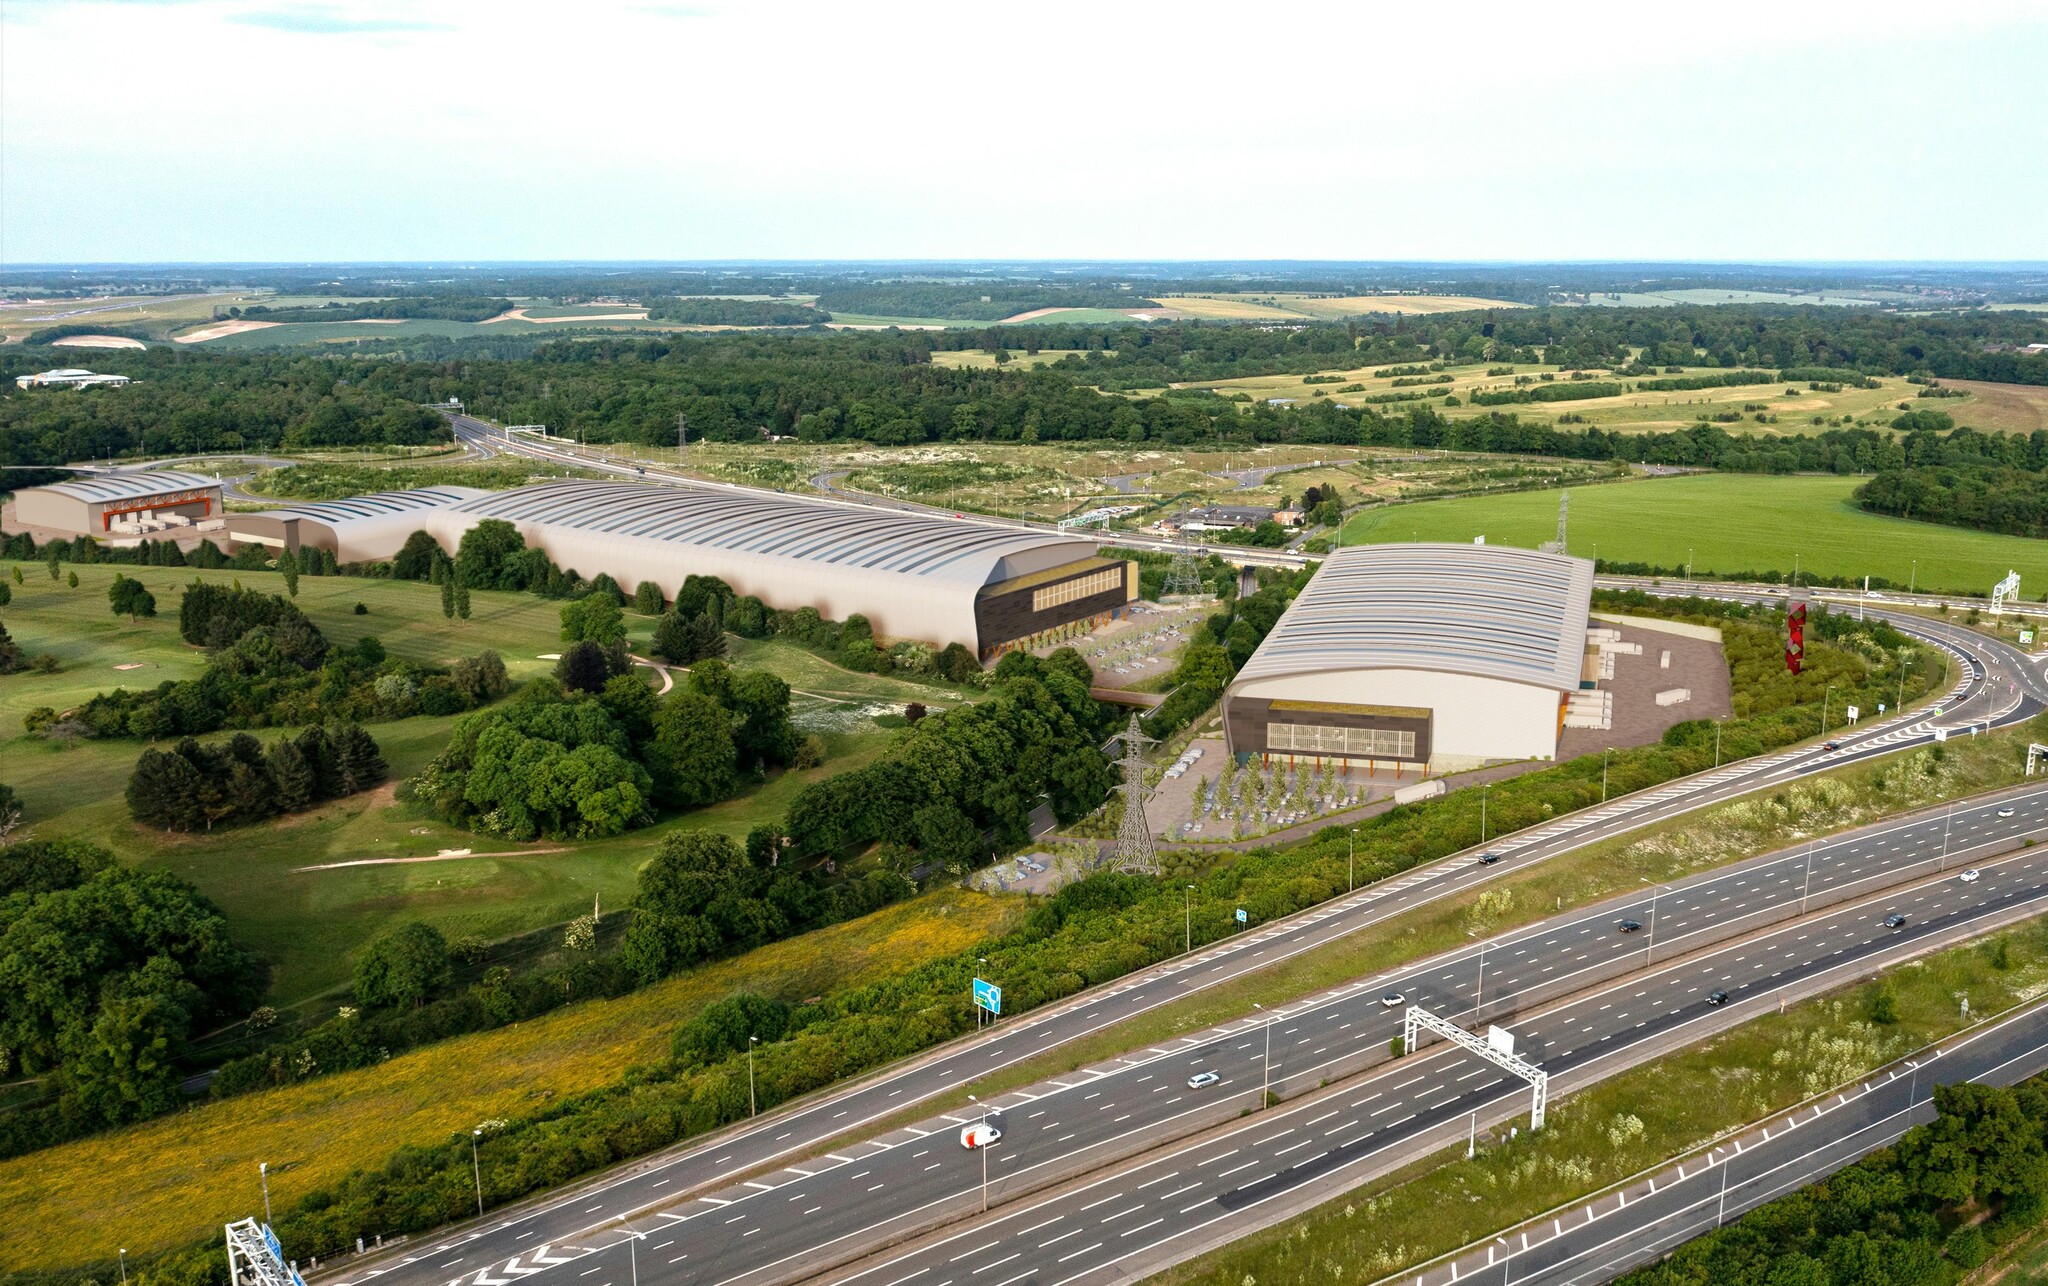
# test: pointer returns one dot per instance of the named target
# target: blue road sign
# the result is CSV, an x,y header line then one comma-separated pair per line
x,y
1241,916
988,996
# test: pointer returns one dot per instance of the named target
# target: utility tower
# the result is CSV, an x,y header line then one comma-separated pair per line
x,y
1134,850
682,431
1564,508
1182,580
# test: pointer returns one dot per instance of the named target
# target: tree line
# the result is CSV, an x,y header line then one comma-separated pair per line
x,y
462,308
194,786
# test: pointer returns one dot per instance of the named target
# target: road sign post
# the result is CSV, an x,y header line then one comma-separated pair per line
x,y
988,996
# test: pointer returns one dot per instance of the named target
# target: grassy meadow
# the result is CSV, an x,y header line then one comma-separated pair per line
x,y
1725,523
1292,306
307,922
161,1182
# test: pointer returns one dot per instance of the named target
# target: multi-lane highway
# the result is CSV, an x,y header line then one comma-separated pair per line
x,y
866,1193
1602,1239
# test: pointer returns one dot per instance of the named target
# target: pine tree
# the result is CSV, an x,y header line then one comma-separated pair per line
x,y
293,775
6,594
461,594
362,763
10,653
165,791
448,597
53,555
72,580
17,575
647,599
317,750
288,566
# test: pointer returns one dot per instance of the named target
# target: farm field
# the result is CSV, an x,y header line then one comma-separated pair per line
x,y
2013,408
1728,523
1297,307
160,1182
158,314
1696,297
977,359
1643,411
348,332
307,922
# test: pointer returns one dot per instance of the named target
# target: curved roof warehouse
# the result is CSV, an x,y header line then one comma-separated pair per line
x,y
913,576
97,503
1444,655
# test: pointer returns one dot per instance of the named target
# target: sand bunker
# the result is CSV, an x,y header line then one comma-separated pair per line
x,y
221,329
97,341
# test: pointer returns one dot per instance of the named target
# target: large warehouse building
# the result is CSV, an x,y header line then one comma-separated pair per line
x,y
1435,657
913,576
104,504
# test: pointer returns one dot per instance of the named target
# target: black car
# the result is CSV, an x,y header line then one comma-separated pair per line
x,y
1488,859
1895,922
1717,997
1628,926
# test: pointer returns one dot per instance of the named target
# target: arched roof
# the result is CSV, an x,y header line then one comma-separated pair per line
x,y
1487,610
382,504
99,487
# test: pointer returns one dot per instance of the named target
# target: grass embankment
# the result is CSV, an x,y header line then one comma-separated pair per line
x,y
1684,846
1725,523
161,1184
1632,1121
307,922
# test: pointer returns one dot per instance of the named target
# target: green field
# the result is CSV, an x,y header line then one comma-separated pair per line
x,y
307,921
1726,523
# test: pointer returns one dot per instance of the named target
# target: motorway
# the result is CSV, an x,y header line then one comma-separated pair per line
x,y
896,1181
1604,1238
1218,1185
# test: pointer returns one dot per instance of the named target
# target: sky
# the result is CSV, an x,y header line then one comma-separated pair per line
x,y
471,130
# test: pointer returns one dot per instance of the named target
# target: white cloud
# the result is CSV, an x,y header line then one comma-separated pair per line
x,y
240,129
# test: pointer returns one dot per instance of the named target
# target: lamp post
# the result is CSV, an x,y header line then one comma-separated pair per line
x,y
1479,995
1350,859
1824,699
1913,579
476,1169
751,1042
124,1265
1266,1062
1688,562
1483,788
978,962
1717,743
1808,882
1948,819
1603,773
1650,947
1187,914
263,1174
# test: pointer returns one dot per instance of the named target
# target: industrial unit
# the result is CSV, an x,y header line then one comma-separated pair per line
x,y
118,504
1422,656
73,377
913,576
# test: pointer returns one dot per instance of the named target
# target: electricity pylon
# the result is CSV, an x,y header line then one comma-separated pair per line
x,y
1134,849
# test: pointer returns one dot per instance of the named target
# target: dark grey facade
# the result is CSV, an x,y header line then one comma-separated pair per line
x,y
1248,729
1017,609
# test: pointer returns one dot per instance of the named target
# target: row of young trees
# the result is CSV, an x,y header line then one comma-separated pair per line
x,y
194,786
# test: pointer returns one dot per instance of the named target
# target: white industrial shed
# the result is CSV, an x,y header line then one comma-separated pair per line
x,y
1444,656
101,504
360,529
944,580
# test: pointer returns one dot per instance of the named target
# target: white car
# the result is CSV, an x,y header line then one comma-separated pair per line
x,y
2005,812
1200,1079
1393,1000
1970,876
979,1135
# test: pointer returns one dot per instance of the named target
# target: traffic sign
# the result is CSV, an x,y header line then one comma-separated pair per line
x,y
1241,916
988,996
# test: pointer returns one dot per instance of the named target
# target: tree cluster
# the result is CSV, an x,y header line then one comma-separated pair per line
x,y
195,786
698,311
105,973
462,308
561,763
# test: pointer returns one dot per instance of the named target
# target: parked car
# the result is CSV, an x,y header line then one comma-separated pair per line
x,y
1201,1079
979,1135
1971,876
1895,921
1628,926
1393,1000
1717,997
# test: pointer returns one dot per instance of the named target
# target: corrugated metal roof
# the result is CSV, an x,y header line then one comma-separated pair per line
x,y
377,505
1488,610
770,526
98,487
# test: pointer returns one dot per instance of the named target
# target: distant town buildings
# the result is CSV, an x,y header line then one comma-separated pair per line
x,y
69,377
1227,518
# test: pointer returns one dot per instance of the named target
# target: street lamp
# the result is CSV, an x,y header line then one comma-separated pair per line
x,y
1824,699
1483,788
1603,773
1808,882
978,962
476,1169
1947,821
1266,1063
263,1174
1187,915
124,1265
1351,858
1717,743
751,1042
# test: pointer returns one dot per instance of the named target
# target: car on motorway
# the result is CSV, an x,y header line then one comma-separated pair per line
x,y
1393,1000
979,1135
1488,859
1833,745
1717,997
2005,812
1628,926
1971,876
1895,921
1201,1079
